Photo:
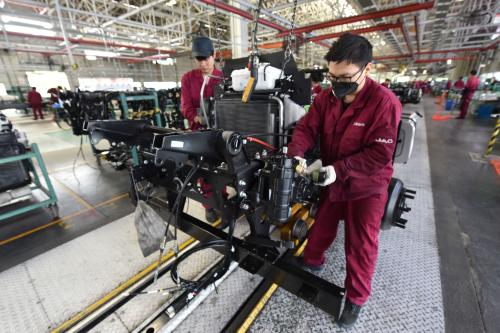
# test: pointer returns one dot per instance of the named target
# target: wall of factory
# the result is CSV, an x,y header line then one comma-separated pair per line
x,y
14,65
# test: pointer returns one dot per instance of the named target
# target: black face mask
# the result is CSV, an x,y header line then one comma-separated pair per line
x,y
342,89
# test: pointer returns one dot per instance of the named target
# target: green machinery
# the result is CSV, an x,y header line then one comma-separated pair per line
x,y
143,96
133,105
48,189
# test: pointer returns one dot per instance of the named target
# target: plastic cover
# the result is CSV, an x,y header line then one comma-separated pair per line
x,y
150,228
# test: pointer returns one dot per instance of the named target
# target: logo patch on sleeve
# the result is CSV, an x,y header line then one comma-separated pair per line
x,y
384,140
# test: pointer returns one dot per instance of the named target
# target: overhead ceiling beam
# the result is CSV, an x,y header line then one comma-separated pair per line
x,y
248,15
470,49
288,5
417,33
380,27
426,61
92,42
363,17
392,57
407,39
242,13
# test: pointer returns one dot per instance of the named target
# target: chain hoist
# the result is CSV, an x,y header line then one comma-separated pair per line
x,y
254,58
288,48
217,34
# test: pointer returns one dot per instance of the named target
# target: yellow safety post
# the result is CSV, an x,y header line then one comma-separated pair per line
x,y
493,138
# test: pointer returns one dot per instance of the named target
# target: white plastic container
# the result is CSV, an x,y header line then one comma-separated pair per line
x,y
240,77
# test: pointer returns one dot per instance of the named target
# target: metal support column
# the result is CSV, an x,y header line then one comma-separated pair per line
x,y
239,34
67,44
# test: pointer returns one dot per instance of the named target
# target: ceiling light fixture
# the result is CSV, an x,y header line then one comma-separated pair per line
x,y
43,24
103,54
27,30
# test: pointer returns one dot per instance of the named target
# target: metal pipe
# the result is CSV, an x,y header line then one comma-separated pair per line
x,y
362,17
65,35
202,102
281,112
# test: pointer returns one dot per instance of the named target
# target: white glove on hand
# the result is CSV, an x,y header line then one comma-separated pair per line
x,y
302,166
330,175
316,165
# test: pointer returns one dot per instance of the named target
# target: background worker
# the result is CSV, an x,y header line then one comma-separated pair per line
x,y
203,52
316,79
386,83
459,84
35,101
357,122
468,92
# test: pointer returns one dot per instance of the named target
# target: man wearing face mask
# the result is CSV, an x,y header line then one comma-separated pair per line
x,y
191,85
357,122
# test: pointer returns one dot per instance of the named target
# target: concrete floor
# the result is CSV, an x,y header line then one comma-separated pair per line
x,y
466,196
88,196
465,193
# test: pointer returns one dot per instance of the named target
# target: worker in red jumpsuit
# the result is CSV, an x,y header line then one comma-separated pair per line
x,y
191,85
357,122
448,85
468,92
316,79
35,101
459,85
386,83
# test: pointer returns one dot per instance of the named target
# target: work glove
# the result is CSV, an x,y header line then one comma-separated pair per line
x,y
330,175
302,166
316,165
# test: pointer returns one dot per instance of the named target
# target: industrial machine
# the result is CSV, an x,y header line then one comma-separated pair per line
x,y
245,148
18,175
169,101
406,93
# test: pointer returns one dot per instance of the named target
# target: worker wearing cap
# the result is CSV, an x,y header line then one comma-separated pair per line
x,y
191,85
356,121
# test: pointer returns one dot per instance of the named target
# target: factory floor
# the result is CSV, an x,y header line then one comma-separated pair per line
x,y
456,234
88,196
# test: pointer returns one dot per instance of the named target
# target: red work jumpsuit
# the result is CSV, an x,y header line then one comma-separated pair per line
x,y
459,85
316,90
359,142
35,101
190,93
190,101
468,93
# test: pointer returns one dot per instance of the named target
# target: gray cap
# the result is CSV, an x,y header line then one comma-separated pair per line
x,y
202,47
